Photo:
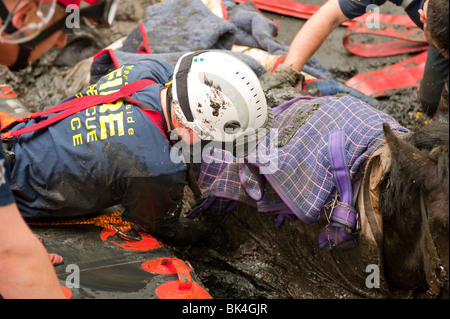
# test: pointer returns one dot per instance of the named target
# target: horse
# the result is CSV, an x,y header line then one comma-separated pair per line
x,y
415,208
402,250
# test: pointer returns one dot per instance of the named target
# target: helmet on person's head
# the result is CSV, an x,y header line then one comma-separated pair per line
x,y
220,98
101,12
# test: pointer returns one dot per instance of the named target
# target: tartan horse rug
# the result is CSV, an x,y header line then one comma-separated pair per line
x,y
310,165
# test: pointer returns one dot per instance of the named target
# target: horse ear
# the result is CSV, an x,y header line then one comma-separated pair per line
x,y
409,159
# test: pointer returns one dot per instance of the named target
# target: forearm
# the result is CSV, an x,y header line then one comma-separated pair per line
x,y
311,36
25,269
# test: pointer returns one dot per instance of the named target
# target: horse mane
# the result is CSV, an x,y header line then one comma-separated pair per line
x,y
434,139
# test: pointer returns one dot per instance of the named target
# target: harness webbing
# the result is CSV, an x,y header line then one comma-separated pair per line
x,y
344,221
109,222
74,106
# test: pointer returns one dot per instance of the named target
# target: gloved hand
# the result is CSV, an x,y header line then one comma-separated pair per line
x,y
332,87
282,85
283,76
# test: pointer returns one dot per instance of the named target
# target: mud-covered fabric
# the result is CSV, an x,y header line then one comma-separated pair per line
x,y
174,27
295,174
101,157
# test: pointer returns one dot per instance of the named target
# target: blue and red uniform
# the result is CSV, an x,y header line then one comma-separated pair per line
x,y
107,155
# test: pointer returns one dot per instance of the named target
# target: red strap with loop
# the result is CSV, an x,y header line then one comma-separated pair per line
x,y
183,271
77,105
382,82
410,40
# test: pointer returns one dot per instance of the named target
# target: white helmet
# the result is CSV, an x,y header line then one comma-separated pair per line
x,y
220,98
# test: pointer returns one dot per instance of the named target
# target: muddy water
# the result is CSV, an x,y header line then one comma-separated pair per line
x,y
247,257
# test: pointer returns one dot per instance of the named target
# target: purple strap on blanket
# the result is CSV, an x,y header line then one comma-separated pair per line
x,y
344,222
256,194
201,207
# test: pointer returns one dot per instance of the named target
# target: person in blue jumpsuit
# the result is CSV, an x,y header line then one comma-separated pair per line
x,y
104,156
429,15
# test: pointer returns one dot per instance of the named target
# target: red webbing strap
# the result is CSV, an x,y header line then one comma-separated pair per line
x,y
183,271
410,40
76,105
153,115
382,82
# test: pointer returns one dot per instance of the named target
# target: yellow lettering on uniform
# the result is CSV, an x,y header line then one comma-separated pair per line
x,y
111,84
91,111
92,90
109,92
110,121
130,120
115,74
112,107
90,126
92,136
75,124
130,131
77,139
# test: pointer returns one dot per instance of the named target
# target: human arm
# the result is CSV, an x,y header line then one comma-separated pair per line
x,y
155,205
307,41
311,36
25,269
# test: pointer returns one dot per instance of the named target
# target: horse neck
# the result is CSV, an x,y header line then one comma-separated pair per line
x,y
402,238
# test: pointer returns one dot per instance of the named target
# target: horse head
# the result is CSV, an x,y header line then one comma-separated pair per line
x,y
415,206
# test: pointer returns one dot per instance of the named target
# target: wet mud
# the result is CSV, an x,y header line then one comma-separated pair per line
x,y
245,255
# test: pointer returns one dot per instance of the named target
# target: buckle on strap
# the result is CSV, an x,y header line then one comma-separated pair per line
x,y
344,222
347,217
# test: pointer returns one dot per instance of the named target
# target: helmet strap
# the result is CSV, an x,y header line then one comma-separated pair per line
x,y
169,133
4,14
182,84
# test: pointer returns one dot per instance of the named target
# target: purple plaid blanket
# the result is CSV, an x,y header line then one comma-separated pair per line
x,y
290,172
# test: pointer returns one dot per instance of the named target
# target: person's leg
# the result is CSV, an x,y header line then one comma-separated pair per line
x,y
436,72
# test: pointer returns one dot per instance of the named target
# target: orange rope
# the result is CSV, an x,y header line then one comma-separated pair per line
x,y
108,222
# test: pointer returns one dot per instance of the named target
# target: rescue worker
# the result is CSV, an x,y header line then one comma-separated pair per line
x,y
123,152
430,15
28,29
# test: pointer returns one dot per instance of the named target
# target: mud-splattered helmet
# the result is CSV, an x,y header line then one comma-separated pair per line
x,y
220,98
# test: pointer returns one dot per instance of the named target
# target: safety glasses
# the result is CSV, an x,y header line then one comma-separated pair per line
x,y
9,33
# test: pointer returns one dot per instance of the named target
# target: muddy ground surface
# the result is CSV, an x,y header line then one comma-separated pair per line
x,y
245,261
